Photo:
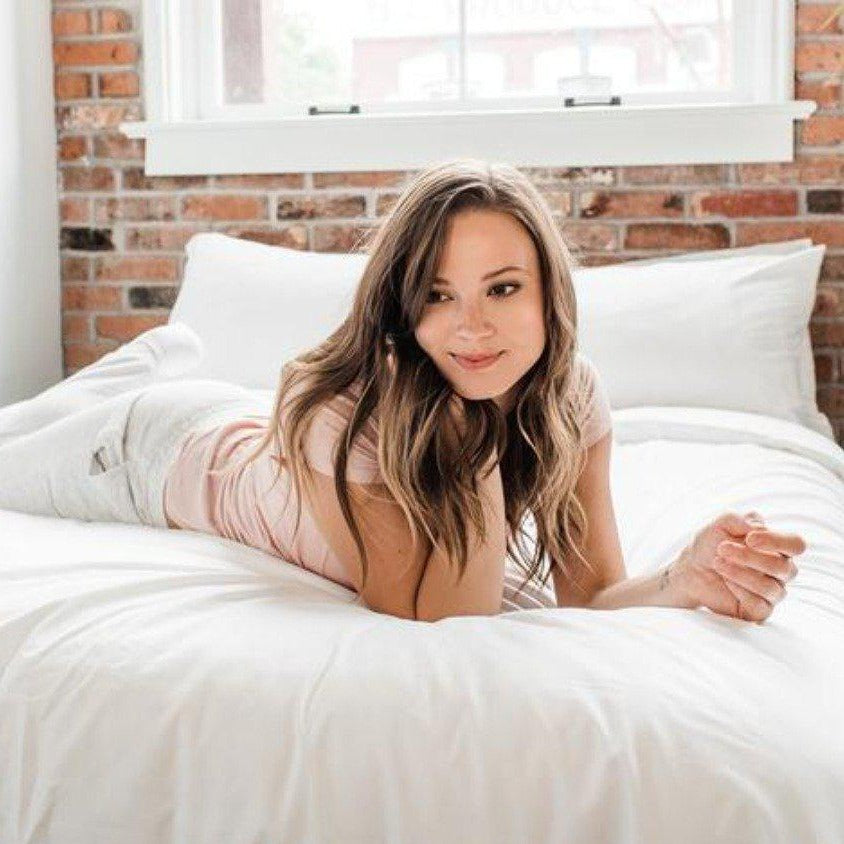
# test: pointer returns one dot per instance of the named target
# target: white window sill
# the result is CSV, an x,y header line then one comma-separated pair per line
x,y
583,136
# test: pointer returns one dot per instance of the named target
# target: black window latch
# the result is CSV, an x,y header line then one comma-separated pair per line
x,y
350,109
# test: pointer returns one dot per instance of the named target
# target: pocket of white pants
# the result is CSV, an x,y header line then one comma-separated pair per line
x,y
101,463
109,447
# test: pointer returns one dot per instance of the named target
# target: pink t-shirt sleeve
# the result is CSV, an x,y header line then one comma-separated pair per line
x,y
596,419
324,435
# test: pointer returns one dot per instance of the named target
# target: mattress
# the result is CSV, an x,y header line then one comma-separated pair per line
x,y
170,686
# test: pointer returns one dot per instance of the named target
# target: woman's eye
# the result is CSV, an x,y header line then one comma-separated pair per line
x,y
507,284
434,293
494,287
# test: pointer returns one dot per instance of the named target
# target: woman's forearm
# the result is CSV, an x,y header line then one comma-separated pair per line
x,y
649,590
480,591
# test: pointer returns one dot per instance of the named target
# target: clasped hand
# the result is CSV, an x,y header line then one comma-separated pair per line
x,y
737,566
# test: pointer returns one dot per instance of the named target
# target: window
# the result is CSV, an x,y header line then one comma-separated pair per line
x,y
396,83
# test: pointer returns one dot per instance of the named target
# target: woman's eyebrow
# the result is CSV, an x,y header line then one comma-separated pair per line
x,y
488,275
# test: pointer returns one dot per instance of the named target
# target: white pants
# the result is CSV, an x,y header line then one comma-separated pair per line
x,y
108,461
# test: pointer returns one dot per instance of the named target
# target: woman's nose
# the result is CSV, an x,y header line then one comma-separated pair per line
x,y
472,320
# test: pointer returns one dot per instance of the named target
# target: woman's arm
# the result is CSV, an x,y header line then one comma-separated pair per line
x,y
610,588
651,590
481,589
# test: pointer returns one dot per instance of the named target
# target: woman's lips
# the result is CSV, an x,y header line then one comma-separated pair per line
x,y
483,363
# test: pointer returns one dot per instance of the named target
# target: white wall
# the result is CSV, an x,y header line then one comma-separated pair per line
x,y
30,287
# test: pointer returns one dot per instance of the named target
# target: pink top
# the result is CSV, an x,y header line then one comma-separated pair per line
x,y
207,490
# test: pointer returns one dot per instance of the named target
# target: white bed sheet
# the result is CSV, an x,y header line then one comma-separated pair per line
x,y
164,686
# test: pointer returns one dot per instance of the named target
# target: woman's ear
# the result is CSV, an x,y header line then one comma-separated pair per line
x,y
390,343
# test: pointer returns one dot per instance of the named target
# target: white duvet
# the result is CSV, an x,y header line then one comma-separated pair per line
x,y
164,686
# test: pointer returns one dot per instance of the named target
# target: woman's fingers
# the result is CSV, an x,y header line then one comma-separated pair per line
x,y
775,565
760,536
750,607
769,588
783,543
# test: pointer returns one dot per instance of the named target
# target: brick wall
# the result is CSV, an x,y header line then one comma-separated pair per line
x,y
123,233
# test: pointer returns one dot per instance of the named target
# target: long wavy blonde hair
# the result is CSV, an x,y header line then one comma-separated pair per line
x,y
539,443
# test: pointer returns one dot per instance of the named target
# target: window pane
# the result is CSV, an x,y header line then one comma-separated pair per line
x,y
383,53
315,52
658,46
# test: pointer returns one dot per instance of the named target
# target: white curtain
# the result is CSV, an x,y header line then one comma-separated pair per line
x,y
30,295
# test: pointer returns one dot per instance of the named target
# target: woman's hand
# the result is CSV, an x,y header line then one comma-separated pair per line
x,y
736,566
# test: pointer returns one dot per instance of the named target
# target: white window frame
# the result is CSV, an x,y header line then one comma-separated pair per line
x,y
185,136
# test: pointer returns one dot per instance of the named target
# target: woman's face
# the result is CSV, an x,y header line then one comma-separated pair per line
x,y
468,313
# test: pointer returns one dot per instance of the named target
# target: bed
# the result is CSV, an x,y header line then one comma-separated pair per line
x,y
169,686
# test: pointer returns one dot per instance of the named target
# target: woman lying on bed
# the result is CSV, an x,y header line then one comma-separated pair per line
x,y
393,461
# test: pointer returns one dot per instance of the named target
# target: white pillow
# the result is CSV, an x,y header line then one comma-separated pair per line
x,y
729,332
725,329
257,306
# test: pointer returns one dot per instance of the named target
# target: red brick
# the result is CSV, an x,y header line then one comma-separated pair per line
x,y
832,268
114,21
824,368
827,333
675,174
74,210
95,115
76,327
72,86
831,400
80,297
825,129
293,237
676,236
812,56
77,355
825,201
589,236
144,209
588,259
122,84
118,146
86,238
124,327
603,176
559,201
94,52
224,207
340,238
75,268
818,17
826,231
145,268
134,178
361,179
631,204
298,206
745,203
820,169
829,301
261,181
72,147
71,23
384,203
826,92
159,238
807,169
87,178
